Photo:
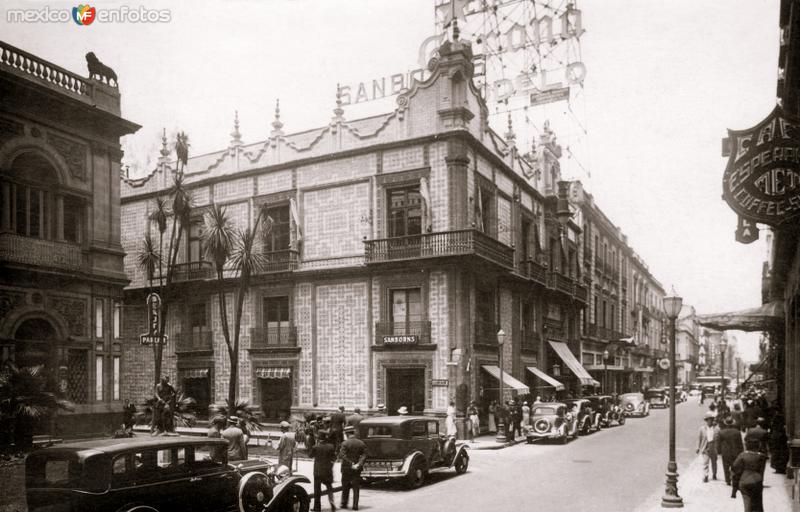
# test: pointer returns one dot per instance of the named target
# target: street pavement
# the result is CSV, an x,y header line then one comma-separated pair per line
x,y
616,469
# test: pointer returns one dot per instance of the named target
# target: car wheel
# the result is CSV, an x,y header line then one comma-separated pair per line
x,y
296,500
462,463
622,420
416,475
564,439
254,492
137,508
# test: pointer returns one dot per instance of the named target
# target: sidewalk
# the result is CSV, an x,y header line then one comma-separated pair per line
x,y
716,495
489,442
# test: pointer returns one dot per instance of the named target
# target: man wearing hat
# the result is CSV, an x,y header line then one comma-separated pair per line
x,y
286,446
237,448
353,453
707,445
338,421
730,445
324,457
354,419
402,411
759,434
381,410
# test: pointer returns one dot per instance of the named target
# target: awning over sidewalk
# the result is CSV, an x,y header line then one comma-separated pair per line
x,y
644,369
273,373
569,359
548,379
754,319
508,380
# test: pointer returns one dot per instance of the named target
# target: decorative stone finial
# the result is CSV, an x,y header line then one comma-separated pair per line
x,y
236,137
338,112
277,125
510,135
163,159
456,33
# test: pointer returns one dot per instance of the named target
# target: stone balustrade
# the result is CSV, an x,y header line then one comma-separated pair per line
x,y
43,253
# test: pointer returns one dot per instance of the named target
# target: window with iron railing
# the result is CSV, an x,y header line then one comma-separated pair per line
x,y
404,211
278,238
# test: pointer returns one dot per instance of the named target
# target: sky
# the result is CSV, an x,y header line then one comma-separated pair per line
x,y
665,80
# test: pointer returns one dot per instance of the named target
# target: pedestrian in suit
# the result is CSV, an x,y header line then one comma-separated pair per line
x,y
748,476
707,445
353,453
324,457
354,419
759,434
730,446
338,421
517,418
286,447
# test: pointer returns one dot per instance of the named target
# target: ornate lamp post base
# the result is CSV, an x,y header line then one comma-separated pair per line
x,y
671,498
501,433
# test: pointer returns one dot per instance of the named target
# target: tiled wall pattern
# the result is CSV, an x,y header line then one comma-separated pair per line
x,y
333,221
272,182
402,159
302,316
332,171
438,308
233,189
342,330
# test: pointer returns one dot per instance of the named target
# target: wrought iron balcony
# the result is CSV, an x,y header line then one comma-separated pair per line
x,y
280,261
534,271
581,293
591,330
402,333
486,333
41,253
273,337
194,341
441,244
192,271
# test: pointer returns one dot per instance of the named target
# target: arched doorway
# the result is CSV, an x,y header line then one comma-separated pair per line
x,y
36,344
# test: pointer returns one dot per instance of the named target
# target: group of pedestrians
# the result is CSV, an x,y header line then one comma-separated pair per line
x,y
515,415
745,441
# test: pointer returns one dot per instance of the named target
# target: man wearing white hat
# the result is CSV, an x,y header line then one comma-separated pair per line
x,y
402,411
707,445
237,448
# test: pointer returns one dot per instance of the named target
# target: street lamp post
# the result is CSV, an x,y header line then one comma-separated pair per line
x,y
501,426
723,347
671,499
605,371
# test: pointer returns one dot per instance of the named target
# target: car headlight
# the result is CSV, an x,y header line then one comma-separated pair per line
x,y
281,474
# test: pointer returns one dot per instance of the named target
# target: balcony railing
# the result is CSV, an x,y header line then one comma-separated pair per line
x,y
581,293
195,341
39,69
433,245
273,337
402,333
534,271
42,253
192,271
280,261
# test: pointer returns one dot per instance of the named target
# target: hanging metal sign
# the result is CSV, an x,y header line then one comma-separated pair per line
x,y
762,179
152,337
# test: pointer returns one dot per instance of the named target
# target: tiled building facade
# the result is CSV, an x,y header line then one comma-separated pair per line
x,y
401,245
61,261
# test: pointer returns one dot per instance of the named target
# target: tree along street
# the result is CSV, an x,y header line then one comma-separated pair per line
x,y
616,469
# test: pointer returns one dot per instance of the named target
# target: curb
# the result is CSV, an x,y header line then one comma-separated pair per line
x,y
498,446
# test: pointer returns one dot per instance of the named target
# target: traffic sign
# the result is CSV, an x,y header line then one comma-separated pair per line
x,y
153,339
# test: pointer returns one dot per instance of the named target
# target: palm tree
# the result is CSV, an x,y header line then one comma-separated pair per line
x,y
241,409
160,216
184,414
235,249
26,400
148,258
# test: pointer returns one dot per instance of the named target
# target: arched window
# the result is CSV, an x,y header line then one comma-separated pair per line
x,y
33,205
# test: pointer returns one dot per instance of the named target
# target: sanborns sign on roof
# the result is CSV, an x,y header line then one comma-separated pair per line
x,y
762,179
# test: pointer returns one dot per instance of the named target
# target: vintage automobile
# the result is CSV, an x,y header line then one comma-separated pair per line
x,y
609,411
634,404
658,397
408,448
157,474
587,420
552,420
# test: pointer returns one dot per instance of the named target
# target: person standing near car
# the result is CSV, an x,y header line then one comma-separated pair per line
x,y
338,422
450,420
707,445
237,448
730,446
526,415
492,417
324,456
354,419
286,446
474,419
353,453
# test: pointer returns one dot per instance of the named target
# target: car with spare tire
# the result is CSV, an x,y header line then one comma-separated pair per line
x,y
552,420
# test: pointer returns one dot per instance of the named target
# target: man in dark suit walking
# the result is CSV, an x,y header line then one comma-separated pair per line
x,y
324,455
338,421
730,445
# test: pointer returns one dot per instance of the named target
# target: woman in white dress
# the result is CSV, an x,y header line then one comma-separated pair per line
x,y
526,415
492,424
450,421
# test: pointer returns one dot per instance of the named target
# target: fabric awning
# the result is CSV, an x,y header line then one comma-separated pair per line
x,y
569,359
193,373
276,372
754,319
508,380
548,379
644,369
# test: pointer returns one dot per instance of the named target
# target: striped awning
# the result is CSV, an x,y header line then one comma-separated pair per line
x,y
274,372
193,373
644,369
569,359
548,379
508,380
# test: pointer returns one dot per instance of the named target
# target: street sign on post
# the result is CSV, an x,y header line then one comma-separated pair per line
x,y
153,334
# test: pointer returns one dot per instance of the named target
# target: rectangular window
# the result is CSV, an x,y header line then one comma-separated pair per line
x,y
98,376
406,309
613,316
117,320
278,238
196,239
73,219
116,377
405,211
35,216
276,319
98,318
197,316
21,199
525,242
605,314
